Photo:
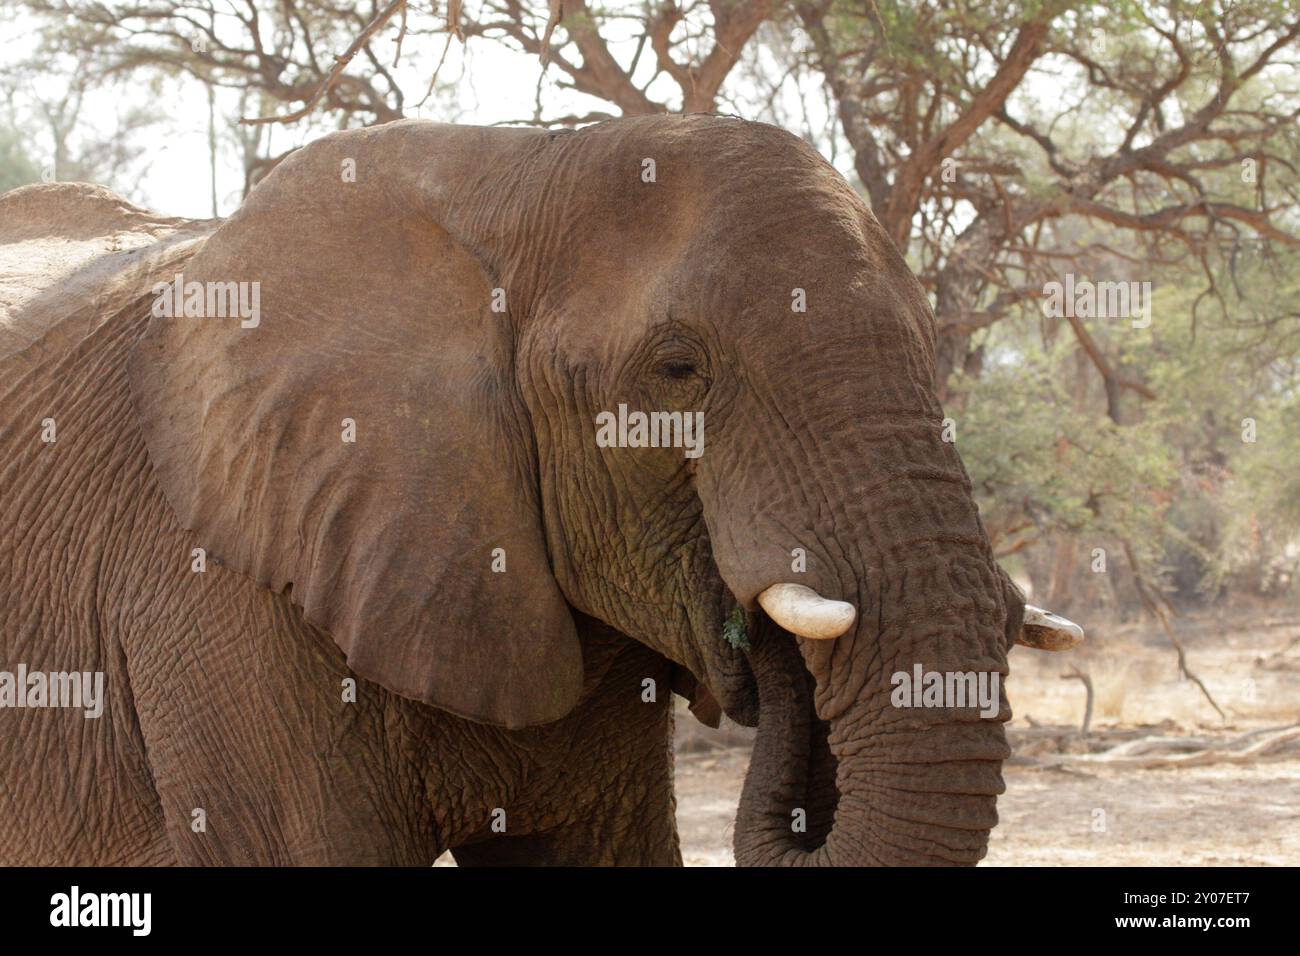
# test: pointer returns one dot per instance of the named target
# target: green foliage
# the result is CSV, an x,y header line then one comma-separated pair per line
x,y
734,630
1044,463
1230,377
1175,479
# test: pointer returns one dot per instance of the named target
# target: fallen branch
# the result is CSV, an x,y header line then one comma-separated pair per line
x,y
1279,660
1154,753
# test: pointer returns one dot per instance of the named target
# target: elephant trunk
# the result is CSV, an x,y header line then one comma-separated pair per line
x,y
919,793
845,772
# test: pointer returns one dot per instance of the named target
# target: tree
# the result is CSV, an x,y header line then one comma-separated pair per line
x,y
16,167
680,55
282,49
979,179
50,135
317,61
275,54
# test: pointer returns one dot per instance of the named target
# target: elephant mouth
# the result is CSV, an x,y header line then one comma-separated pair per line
x,y
721,679
793,743
791,791
821,797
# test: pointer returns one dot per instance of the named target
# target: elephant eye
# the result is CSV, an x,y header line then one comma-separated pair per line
x,y
677,370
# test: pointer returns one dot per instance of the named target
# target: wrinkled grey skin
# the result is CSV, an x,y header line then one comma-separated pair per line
x,y
226,687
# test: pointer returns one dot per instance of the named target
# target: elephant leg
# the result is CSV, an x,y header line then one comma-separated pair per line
x,y
606,794
259,753
76,791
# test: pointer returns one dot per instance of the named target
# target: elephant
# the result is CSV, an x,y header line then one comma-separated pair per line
x,y
319,491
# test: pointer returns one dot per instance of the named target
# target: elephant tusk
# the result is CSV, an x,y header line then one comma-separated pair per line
x,y
1047,631
801,610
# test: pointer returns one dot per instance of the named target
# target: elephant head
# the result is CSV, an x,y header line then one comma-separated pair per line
x,y
486,309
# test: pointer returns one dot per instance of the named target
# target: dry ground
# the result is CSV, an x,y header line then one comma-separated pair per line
x,y
1213,814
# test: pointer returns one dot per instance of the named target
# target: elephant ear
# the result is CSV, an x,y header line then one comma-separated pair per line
x,y
354,435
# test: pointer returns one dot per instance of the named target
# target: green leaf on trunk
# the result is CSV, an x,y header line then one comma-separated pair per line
x,y
734,631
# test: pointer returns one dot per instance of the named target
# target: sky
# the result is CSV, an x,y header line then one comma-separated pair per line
x,y
489,84
485,83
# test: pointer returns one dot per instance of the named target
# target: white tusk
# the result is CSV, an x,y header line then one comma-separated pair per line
x,y
801,610
1047,631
